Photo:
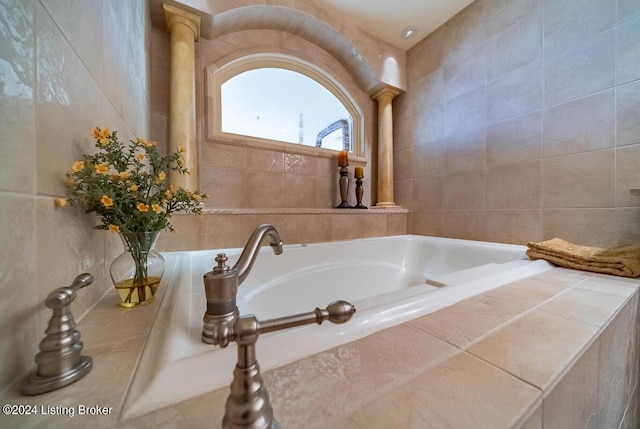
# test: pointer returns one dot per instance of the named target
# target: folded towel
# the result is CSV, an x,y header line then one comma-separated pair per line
x,y
620,261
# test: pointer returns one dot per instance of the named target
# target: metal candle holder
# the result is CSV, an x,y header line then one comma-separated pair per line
x,y
359,192
344,188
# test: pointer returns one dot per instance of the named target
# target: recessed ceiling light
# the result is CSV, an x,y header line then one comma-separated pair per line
x,y
409,31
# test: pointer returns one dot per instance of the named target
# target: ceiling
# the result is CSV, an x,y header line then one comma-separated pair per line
x,y
388,18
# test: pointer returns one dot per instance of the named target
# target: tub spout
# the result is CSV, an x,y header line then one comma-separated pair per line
x,y
248,256
221,286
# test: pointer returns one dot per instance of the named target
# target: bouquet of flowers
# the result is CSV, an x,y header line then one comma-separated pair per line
x,y
127,187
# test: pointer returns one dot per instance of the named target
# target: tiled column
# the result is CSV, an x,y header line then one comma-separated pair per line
x,y
385,146
185,30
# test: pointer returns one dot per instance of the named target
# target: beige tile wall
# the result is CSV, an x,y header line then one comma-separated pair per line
x,y
268,183
71,66
226,229
235,175
79,64
520,123
238,176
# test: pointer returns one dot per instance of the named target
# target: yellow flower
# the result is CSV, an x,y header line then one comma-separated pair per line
x,y
156,208
181,149
133,188
124,175
196,197
143,207
114,228
60,202
145,143
168,195
70,182
106,201
103,141
77,166
140,156
160,177
100,133
102,169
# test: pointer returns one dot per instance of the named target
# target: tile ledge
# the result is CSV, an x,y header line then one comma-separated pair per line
x,y
276,211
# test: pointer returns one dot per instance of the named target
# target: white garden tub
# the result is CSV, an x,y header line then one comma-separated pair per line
x,y
390,280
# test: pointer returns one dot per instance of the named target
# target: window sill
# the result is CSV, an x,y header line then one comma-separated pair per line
x,y
297,149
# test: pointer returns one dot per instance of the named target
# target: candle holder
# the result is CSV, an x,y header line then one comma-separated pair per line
x,y
359,192
344,188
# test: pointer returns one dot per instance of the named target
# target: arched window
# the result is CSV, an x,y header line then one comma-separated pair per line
x,y
279,98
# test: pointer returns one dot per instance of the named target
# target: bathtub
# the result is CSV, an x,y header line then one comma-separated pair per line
x,y
390,280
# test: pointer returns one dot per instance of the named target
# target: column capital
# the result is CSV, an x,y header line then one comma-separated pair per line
x,y
173,15
387,92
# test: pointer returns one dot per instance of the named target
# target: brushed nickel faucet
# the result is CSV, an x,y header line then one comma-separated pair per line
x,y
248,404
221,285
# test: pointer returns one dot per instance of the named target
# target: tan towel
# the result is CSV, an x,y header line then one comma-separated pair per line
x,y
619,261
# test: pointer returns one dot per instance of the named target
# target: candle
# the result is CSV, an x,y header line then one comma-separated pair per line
x,y
343,158
359,174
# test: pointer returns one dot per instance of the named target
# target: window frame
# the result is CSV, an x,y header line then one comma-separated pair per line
x,y
216,76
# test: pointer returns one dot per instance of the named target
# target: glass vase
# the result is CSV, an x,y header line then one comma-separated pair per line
x,y
137,272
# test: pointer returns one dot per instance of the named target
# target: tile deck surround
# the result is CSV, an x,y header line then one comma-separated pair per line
x,y
490,361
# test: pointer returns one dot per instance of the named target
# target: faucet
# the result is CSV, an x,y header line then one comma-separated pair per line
x,y
248,404
221,285
60,361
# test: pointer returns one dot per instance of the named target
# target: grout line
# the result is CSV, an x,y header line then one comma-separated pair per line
x,y
558,377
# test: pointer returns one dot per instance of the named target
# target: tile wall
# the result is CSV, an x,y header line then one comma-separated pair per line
x,y
252,184
230,229
240,176
520,123
71,65
65,67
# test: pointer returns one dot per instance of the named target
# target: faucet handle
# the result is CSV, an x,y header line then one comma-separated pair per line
x,y
62,297
336,312
248,404
221,259
60,361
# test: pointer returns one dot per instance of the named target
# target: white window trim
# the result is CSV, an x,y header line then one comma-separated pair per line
x,y
215,77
